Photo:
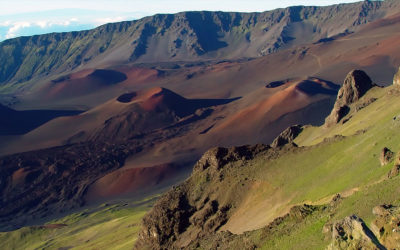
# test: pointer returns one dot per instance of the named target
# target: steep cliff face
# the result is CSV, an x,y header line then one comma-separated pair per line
x,y
183,36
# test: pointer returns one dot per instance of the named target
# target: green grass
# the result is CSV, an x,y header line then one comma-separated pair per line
x,y
362,202
324,169
308,234
106,227
304,235
320,169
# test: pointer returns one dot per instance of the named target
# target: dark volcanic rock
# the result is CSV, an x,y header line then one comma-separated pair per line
x,y
356,84
287,136
196,208
45,182
216,158
300,212
386,156
167,220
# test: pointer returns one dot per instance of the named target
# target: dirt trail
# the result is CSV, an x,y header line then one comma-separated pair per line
x,y
318,59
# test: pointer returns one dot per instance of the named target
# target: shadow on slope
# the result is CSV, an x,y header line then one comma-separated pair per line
x,y
14,122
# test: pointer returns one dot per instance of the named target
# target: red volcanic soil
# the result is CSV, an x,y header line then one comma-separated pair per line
x,y
91,87
131,181
254,121
189,126
128,115
137,75
82,83
151,99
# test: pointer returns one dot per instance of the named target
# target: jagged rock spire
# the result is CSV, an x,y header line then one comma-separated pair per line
x,y
356,84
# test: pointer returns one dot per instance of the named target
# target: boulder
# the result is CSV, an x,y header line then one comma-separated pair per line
x,y
216,158
351,233
287,136
386,225
386,156
356,84
395,171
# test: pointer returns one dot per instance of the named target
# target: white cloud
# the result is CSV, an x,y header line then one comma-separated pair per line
x,y
100,21
42,24
15,27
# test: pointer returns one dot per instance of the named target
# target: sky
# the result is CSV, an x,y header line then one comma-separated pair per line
x,y
30,17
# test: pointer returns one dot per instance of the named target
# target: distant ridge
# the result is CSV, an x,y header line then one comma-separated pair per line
x,y
186,36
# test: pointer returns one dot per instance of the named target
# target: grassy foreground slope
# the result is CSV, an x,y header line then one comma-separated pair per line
x,y
260,193
342,159
104,227
338,164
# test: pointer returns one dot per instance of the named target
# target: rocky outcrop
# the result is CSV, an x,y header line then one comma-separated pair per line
x,y
197,208
218,157
287,136
386,225
396,79
167,220
351,233
356,84
395,171
386,156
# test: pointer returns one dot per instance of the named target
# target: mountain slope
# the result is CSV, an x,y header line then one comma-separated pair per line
x,y
183,36
137,143
238,197
228,184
